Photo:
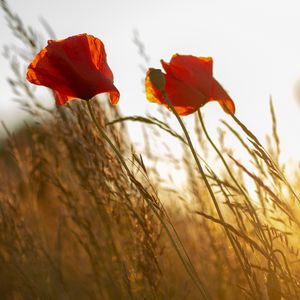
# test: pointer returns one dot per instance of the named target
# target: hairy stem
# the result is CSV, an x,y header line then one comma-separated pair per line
x,y
186,262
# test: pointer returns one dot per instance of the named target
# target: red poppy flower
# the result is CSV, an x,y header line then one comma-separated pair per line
x,y
189,84
75,67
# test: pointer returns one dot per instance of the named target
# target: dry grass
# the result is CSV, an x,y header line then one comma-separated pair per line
x,y
74,225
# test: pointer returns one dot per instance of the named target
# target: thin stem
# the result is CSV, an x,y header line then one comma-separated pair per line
x,y
107,139
220,154
274,165
253,137
232,177
190,270
229,171
201,171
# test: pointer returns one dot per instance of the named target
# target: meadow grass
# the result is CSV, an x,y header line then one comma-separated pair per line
x,y
83,217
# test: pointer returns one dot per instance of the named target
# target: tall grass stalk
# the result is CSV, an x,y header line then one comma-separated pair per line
x,y
202,173
273,167
187,264
236,250
270,253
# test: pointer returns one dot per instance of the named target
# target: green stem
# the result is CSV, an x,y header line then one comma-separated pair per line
x,y
106,138
187,267
201,171
229,172
234,180
220,154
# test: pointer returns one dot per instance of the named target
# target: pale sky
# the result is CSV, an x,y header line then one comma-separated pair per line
x,y
255,46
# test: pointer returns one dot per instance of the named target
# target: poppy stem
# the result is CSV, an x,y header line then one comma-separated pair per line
x,y
202,173
187,265
236,249
106,138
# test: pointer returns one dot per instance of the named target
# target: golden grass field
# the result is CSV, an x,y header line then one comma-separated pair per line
x,y
75,225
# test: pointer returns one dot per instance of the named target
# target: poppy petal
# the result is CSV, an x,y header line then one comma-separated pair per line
x,y
61,99
195,72
219,94
184,101
76,67
189,84
182,95
98,56
42,72
114,96
185,110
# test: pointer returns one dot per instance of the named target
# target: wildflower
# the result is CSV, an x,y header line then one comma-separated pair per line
x,y
188,83
74,67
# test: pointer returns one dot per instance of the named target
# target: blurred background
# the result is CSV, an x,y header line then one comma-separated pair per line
x,y
255,46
